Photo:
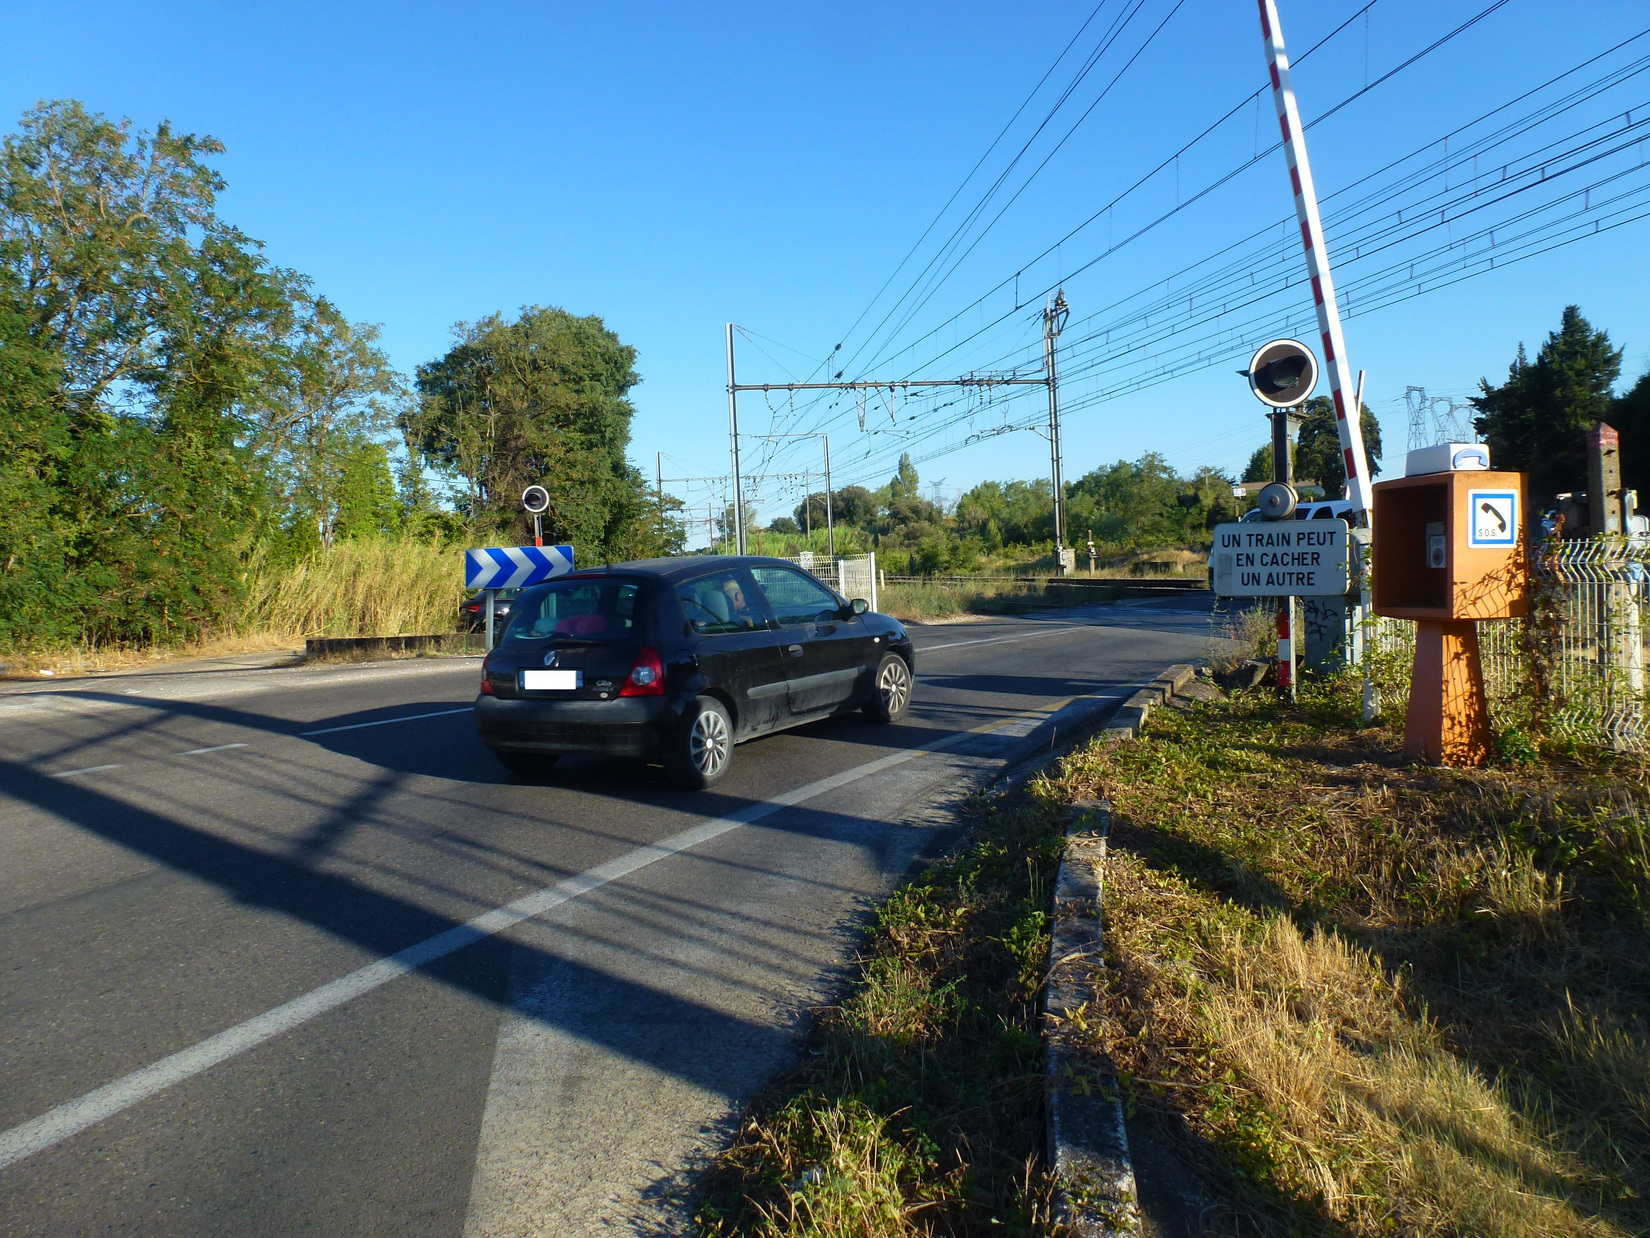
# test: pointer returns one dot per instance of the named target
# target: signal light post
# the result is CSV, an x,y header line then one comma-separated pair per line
x,y
1282,374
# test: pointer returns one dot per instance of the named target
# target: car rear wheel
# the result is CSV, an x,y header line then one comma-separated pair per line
x,y
893,690
528,764
701,751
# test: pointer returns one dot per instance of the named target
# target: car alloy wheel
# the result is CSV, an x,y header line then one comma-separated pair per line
x,y
893,684
701,752
709,743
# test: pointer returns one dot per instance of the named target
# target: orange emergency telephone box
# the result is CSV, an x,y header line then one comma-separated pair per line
x,y
1447,549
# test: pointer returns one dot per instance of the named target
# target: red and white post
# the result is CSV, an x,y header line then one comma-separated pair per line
x,y
1317,262
1286,647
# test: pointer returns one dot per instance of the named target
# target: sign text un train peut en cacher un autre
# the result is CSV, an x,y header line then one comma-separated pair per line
x,y
1281,558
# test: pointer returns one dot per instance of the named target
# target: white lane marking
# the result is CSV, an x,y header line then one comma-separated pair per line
x,y
998,640
356,726
197,752
90,769
72,1117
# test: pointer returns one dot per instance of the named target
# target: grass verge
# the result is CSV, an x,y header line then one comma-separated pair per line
x,y
370,586
1352,996
1362,997
918,1108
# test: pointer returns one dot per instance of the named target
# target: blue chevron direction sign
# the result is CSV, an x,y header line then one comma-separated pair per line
x,y
512,567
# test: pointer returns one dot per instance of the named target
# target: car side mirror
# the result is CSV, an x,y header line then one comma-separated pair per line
x,y
859,606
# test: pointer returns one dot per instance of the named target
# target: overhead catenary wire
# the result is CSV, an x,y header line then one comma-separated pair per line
x,y
1178,209
1618,74
1359,237
1055,247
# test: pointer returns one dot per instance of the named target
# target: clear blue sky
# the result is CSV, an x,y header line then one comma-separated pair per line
x,y
672,168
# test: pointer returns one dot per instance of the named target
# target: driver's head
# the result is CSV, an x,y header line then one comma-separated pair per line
x,y
735,595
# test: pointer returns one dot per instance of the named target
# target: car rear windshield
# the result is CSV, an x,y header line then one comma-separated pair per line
x,y
573,611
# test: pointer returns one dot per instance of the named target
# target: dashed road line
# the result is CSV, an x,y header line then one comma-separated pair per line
x,y
356,726
198,752
90,769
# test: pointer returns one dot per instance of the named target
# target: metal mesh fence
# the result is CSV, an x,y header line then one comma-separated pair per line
x,y
853,576
1596,595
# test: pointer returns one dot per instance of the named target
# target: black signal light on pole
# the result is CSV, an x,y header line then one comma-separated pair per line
x,y
1282,374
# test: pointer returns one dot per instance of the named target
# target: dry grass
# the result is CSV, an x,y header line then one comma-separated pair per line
x,y
382,586
1173,562
78,660
1376,999
1248,631
390,586
918,1109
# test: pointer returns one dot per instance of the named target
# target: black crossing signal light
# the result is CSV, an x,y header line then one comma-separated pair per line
x,y
1282,378
1282,374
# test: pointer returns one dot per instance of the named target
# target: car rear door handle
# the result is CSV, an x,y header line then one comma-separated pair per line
x,y
794,650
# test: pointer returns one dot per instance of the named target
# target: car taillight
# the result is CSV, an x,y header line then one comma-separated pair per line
x,y
486,683
474,608
647,677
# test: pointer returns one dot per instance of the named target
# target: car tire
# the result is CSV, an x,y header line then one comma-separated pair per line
x,y
528,764
892,689
701,750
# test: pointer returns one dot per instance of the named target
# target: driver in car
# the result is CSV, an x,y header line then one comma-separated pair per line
x,y
739,610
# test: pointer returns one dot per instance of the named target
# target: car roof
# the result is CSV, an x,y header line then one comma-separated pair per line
x,y
682,567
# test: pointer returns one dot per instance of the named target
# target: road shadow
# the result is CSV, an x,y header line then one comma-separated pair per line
x,y
291,884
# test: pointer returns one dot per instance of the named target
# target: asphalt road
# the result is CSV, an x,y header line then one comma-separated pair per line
x,y
287,951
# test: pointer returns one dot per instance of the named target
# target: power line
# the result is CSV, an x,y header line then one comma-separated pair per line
x,y
1371,290
1179,208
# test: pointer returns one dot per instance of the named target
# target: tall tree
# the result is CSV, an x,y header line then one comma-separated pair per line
x,y
1630,415
160,321
540,400
324,409
904,484
1534,421
1259,467
36,524
1318,453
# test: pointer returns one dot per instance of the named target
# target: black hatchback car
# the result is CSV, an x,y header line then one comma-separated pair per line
x,y
678,660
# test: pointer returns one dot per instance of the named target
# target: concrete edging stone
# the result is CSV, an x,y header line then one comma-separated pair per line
x,y
1088,1145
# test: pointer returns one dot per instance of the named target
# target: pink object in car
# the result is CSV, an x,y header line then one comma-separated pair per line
x,y
581,625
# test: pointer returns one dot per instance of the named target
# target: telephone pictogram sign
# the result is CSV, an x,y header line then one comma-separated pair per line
x,y
1492,518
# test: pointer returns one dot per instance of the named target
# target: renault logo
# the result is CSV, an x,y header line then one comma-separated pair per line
x,y
550,658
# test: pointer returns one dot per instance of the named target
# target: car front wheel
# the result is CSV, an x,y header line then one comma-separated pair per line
x,y
893,690
702,748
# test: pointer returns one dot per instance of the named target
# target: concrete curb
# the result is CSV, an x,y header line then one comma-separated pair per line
x,y
1088,1145
1132,714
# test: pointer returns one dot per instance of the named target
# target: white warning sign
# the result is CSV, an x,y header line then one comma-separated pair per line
x,y
1281,558
1493,519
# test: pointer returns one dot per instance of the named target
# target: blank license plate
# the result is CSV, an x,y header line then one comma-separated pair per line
x,y
551,681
